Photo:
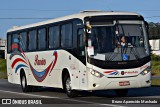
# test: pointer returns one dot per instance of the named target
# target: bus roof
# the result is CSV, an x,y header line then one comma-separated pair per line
x,y
80,15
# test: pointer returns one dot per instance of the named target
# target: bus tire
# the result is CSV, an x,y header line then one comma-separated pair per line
x,y
24,86
67,86
121,92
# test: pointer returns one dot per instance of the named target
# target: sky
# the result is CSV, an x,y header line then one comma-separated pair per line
x,y
23,12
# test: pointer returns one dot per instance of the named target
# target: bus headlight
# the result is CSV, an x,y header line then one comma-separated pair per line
x,y
96,73
146,71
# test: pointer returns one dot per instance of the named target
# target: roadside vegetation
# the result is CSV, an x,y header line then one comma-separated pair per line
x,y
155,69
155,65
3,71
156,82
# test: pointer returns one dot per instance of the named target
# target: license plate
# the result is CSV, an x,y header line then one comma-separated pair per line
x,y
124,83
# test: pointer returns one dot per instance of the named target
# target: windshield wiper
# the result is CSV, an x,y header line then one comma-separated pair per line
x,y
135,53
110,56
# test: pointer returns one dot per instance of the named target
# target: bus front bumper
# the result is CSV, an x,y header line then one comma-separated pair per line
x,y
105,83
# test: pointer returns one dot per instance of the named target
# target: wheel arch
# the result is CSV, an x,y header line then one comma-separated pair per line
x,y
23,72
65,71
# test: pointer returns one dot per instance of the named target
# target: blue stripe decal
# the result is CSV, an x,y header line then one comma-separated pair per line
x,y
19,66
114,73
39,74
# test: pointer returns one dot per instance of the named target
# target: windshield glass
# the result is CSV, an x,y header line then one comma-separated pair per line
x,y
119,43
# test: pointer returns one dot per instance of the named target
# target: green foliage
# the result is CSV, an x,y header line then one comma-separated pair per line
x,y
3,69
155,64
156,82
155,57
154,30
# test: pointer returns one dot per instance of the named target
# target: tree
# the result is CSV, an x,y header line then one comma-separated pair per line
x,y
154,30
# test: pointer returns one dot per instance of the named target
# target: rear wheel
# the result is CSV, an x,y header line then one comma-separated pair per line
x,y
68,88
25,87
121,92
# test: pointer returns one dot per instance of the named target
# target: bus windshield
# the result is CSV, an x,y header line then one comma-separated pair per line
x,y
120,42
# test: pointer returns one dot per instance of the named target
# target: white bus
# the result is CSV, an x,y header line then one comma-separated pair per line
x,y
91,50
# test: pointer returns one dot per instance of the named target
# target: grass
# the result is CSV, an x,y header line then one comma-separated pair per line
x,y
3,69
156,68
155,65
155,82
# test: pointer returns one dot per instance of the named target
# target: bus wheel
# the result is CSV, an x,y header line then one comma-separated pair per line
x,y
68,88
121,92
25,87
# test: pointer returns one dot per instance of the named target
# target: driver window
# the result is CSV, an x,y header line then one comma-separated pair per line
x,y
81,42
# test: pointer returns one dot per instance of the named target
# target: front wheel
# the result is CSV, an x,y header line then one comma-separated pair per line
x,y
121,92
68,88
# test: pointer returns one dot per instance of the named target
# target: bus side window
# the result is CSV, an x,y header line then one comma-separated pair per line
x,y
54,37
32,45
66,35
9,43
15,42
80,42
42,39
23,41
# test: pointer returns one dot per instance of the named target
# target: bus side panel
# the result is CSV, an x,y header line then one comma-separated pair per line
x,y
45,69
53,78
69,62
42,70
14,66
9,70
83,76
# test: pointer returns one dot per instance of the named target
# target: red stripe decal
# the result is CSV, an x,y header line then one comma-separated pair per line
x,y
108,72
22,52
56,55
16,61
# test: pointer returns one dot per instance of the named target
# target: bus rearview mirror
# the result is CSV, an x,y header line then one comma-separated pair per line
x,y
89,27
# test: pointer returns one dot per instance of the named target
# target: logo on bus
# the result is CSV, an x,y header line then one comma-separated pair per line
x,y
128,72
39,61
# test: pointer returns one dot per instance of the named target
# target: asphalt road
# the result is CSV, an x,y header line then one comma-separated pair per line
x,y
57,97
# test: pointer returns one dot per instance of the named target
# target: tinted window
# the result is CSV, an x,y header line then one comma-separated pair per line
x,y
23,41
9,43
42,39
54,37
15,42
80,37
81,42
76,25
66,36
32,40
